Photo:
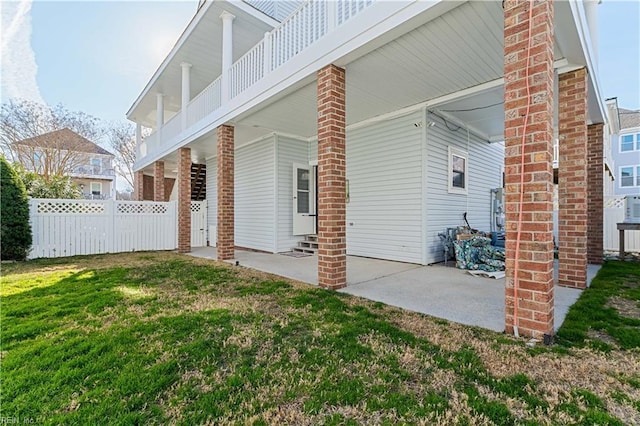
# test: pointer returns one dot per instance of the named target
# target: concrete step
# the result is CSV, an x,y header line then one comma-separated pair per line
x,y
308,244
305,250
311,238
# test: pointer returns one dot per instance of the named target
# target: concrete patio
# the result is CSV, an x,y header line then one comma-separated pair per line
x,y
438,290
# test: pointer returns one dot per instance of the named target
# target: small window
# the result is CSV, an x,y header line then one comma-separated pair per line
x,y
458,163
96,165
96,188
626,143
626,176
638,176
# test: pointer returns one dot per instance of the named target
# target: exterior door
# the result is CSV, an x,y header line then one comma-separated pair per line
x,y
304,200
198,223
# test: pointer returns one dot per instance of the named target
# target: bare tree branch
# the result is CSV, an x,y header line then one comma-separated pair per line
x,y
123,142
53,153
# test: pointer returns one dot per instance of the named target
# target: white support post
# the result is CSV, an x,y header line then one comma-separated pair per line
x,y
332,15
159,117
159,111
186,92
138,139
267,53
227,54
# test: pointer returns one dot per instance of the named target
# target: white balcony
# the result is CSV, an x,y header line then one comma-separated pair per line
x,y
295,35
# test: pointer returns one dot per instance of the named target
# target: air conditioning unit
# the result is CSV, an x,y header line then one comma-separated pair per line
x,y
632,209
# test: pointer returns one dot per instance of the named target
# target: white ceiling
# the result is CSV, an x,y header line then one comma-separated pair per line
x,y
457,51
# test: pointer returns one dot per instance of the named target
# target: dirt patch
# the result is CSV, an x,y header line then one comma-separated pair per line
x,y
602,336
625,307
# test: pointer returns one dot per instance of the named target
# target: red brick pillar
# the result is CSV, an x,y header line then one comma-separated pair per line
x,y
158,181
595,191
332,243
184,200
528,62
226,211
572,179
138,183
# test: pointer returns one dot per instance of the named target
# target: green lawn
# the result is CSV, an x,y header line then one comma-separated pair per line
x,y
156,338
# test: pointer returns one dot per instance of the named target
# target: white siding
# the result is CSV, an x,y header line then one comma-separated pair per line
x,y
212,198
484,173
384,169
254,195
289,151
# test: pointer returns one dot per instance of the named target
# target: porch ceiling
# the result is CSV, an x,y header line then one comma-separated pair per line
x,y
203,50
458,50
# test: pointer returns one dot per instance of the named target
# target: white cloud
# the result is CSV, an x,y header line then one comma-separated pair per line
x,y
18,62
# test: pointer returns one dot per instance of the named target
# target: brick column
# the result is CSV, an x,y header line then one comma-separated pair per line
x,y
138,183
332,243
595,191
529,259
158,181
572,179
226,211
184,200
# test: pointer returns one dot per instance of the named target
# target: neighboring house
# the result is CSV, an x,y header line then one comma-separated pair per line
x,y
627,153
64,151
376,125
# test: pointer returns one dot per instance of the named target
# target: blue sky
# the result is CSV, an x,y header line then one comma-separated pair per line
x,y
96,57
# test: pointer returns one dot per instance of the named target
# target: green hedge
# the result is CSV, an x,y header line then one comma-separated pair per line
x,y
15,238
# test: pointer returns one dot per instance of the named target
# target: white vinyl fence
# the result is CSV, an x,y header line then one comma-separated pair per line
x,y
613,214
73,227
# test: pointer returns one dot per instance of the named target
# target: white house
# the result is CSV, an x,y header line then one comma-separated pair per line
x,y
375,125
89,165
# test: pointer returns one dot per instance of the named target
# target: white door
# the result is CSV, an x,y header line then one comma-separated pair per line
x,y
304,200
198,223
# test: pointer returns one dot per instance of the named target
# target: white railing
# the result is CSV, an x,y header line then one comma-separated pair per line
x,y
148,144
205,102
350,8
74,227
313,20
301,29
172,128
247,70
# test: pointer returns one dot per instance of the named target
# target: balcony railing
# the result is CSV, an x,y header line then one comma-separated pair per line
x,y
92,171
305,26
206,101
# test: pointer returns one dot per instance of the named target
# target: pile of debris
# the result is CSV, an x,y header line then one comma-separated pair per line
x,y
475,252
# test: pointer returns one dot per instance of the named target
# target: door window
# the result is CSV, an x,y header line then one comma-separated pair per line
x,y
303,191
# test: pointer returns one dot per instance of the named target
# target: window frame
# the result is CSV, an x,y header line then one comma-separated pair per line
x,y
91,184
635,175
96,168
635,142
452,189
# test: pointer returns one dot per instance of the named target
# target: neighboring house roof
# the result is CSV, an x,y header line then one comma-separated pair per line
x,y
629,119
68,140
